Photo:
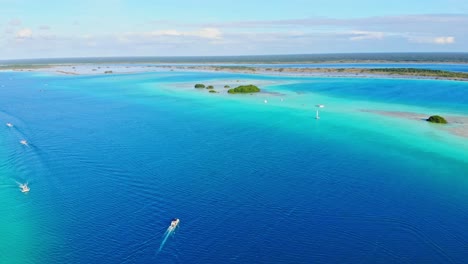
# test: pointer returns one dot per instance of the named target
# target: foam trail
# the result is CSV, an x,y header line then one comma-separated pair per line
x,y
166,235
21,184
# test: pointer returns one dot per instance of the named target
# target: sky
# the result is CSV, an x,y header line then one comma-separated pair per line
x,y
85,28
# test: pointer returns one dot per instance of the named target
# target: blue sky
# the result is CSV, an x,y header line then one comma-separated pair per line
x,y
35,29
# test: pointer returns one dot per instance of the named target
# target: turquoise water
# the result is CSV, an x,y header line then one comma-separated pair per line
x,y
113,158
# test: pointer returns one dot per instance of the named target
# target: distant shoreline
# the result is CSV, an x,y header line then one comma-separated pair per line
x,y
17,64
400,73
317,58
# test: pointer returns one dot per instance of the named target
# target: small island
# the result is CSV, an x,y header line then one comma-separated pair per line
x,y
213,91
199,85
227,86
436,119
210,87
244,89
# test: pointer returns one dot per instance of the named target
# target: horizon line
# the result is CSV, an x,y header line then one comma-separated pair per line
x,y
347,56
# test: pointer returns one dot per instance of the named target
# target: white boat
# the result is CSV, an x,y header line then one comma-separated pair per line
x,y
24,188
9,124
174,223
265,101
24,142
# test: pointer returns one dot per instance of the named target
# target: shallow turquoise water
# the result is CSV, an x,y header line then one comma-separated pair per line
x,y
112,159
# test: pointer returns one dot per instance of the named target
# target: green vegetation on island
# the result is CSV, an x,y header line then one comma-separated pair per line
x,y
210,87
418,72
234,68
199,85
244,89
227,86
213,91
436,119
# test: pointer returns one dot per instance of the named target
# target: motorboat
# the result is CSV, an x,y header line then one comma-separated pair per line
x,y
24,188
24,142
266,101
320,106
174,223
9,124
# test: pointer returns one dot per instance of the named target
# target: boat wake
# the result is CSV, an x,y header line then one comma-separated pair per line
x,y
169,232
166,235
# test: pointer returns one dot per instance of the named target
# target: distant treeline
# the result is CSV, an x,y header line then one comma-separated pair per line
x,y
418,72
296,58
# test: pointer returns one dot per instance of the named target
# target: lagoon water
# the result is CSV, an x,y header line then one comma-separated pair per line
x,y
113,158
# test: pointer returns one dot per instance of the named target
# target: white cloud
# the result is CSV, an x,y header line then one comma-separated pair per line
x,y
24,33
444,40
378,34
169,32
364,35
206,33
210,33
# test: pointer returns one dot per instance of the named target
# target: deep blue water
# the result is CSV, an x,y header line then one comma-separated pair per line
x,y
112,159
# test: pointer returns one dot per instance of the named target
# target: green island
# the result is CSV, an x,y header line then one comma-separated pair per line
x,y
436,119
227,86
244,89
213,91
199,85
210,87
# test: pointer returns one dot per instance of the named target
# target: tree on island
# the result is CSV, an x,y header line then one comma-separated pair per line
x,y
227,86
199,85
210,87
436,119
213,91
244,89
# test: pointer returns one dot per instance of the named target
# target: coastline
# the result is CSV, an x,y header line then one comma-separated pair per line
x,y
96,69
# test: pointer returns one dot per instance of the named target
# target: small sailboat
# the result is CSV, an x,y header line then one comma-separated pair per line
x,y
24,142
24,188
9,124
317,112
